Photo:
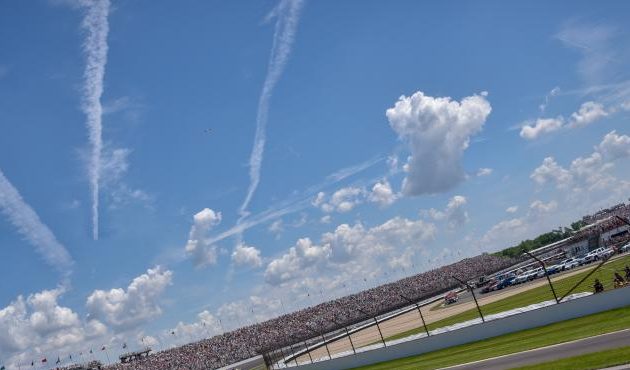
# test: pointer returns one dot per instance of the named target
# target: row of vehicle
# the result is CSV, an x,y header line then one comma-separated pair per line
x,y
567,264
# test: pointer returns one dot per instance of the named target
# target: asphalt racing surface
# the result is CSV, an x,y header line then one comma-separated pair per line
x,y
550,353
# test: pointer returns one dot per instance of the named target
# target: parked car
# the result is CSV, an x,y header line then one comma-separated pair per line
x,y
625,248
554,269
581,260
490,287
569,263
505,282
606,253
521,278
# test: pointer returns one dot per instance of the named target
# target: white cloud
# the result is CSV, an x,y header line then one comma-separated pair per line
x,y
128,308
276,228
207,325
349,245
287,13
511,209
554,92
531,131
508,232
198,247
254,308
484,172
539,206
551,171
437,131
614,146
39,324
455,212
588,181
325,219
382,194
114,165
588,113
343,200
32,229
244,255
95,47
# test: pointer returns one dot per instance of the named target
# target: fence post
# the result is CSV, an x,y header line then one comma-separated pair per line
x,y
347,333
308,352
377,326
419,311
474,297
555,296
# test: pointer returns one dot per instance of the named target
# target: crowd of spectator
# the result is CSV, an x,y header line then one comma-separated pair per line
x,y
249,341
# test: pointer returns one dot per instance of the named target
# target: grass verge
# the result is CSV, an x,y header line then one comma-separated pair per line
x,y
596,360
583,327
535,295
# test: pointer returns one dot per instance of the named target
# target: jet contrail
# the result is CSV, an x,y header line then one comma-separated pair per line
x,y
95,49
288,14
28,224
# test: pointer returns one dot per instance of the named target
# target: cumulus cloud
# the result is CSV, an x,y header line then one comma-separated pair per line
x,y
455,213
28,224
507,232
244,255
614,146
382,194
342,201
511,209
206,326
348,245
588,113
139,302
590,173
590,181
437,132
531,131
198,247
39,324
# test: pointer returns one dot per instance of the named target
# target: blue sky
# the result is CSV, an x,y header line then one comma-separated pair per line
x,y
398,135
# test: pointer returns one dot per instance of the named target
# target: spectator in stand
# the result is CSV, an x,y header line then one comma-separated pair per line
x,y
249,341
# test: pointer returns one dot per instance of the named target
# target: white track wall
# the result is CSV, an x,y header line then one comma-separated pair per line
x,y
568,310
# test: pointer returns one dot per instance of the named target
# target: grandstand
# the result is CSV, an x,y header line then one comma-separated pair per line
x,y
367,318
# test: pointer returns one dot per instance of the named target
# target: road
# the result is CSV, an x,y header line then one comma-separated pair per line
x,y
550,353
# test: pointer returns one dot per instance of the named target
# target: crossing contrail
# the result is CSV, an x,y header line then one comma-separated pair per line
x,y
95,49
287,15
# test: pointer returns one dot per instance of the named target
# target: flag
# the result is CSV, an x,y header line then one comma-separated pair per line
x,y
125,345
58,360
44,360
173,332
2,367
70,357
32,363
102,349
91,350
